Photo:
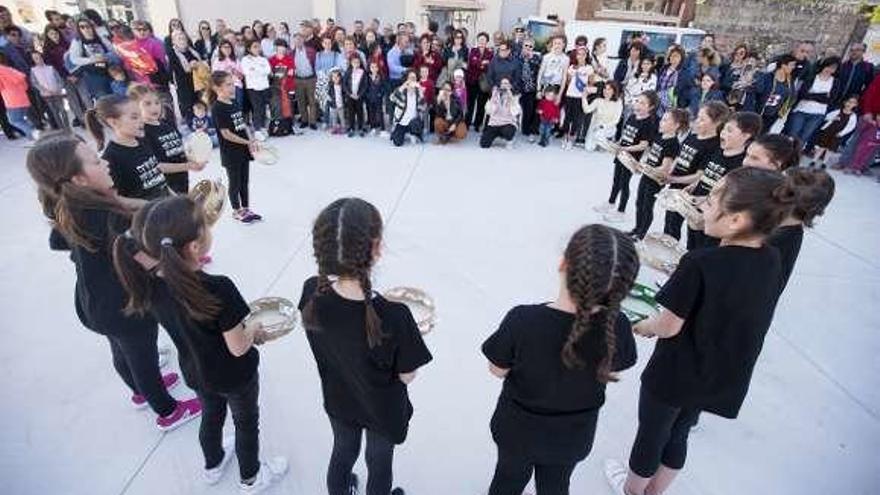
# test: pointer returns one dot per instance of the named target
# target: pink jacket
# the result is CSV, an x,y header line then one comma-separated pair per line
x,y
13,88
155,48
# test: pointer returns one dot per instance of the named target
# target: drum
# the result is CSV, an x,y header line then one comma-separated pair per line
x,y
198,147
278,316
660,251
212,195
419,303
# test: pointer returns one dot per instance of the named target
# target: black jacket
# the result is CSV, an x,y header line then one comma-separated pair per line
x,y
375,91
346,85
456,114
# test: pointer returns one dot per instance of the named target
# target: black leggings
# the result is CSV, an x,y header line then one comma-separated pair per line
x,y
476,106
415,127
645,199
622,175
574,116
529,113
136,359
662,436
238,175
354,114
375,116
491,132
259,103
347,448
512,474
245,408
673,224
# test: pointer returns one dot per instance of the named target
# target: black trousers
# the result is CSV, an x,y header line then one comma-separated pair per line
x,y
574,116
375,116
244,404
513,472
673,224
645,198
529,113
491,132
620,186
662,436
354,114
476,106
259,104
415,127
136,359
347,448
239,176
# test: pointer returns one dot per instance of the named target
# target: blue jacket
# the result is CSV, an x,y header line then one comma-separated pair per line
x,y
851,79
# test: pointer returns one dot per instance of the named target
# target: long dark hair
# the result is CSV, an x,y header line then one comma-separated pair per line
x,y
106,108
343,238
218,77
52,163
784,151
162,229
601,267
767,196
220,55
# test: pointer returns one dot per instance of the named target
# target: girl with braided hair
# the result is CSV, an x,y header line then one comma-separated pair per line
x,y
556,359
717,308
158,264
367,348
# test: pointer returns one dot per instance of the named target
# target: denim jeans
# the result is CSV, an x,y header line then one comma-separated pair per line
x,y
18,117
243,402
545,130
803,125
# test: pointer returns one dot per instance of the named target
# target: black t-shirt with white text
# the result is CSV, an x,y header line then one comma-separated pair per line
x,y
229,116
726,297
216,369
717,166
541,397
661,148
361,385
692,157
135,170
636,130
787,239
167,144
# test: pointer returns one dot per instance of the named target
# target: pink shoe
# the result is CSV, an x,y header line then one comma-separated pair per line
x,y
186,410
170,380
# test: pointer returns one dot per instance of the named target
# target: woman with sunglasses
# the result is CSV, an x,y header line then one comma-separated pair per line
x,y
205,42
90,54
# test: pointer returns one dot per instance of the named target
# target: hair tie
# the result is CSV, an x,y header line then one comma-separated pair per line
x,y
166,241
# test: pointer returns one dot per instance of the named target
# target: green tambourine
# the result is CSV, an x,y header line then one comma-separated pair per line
x,y
633,316
645,294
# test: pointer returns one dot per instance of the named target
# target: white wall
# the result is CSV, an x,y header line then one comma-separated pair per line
x,y
564,8
387,11
240,13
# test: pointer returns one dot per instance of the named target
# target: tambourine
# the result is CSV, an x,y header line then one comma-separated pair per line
x,y
682,203
266,154
654,173
660,251
645,294
632,315
278,316
212,196
629,161
419,303
198,147
607,145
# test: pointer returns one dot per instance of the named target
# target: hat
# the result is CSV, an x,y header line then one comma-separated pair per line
x,y
458,73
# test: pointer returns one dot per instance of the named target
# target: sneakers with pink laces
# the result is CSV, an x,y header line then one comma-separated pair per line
x,y
170,380
186,410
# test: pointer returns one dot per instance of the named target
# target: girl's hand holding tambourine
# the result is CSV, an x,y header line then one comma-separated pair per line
x,y
643,329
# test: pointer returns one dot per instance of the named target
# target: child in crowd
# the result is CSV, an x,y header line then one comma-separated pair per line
x,y
209,312
708,91
354,86
202,121
459,88
605,112
374,97
548,115
256,71
367,348
236,144
334,109
556,359
839,125
281,107
46,80
428,92
14,89
406,103
119,80
638,132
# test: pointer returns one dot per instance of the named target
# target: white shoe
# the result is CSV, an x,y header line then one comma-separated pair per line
x,y
412,139
603,208
614,217
164,354
270,471
532,139
213,475
615,474
510,144
384,135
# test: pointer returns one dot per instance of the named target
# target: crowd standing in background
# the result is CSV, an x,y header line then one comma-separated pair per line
x,y
728,130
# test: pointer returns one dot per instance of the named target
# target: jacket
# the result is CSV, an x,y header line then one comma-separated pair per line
x,y
805,94
455,112
475,67
510,68
346,85
13,88
374,91
399,101
851,79
256,72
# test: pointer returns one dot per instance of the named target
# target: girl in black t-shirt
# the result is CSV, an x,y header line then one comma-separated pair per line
x,y
208,313
367,348
695,150
162,136
717,308
136,170
236,144
660,155
773,152
77,194
735,136
556,358
638,132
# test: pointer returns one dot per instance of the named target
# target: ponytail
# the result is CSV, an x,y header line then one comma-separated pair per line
x,y
185,284
106,108
766,195
95,127
132,274
784,151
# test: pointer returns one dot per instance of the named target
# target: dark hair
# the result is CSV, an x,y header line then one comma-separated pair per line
x,y
616,87
680,51
652,97
161,230
106,108
785,60
784,151
93,16
827,62
281,42
12,29
717,111
484,34
47,41
601,267
218,77
49,13
748,122
650,71
681,117
343,238
251,43
765,195
581,39
815,189
220,55
52,163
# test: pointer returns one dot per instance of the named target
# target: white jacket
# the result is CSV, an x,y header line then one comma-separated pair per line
x,y
606,112
256,72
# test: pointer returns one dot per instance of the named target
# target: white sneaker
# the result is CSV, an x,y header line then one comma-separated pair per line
x,y
614,217
603,208
384,135
213,475
532,139
412,139
509,144
270,471
615,474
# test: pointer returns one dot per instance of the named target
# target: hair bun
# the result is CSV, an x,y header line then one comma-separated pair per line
x,y
785,194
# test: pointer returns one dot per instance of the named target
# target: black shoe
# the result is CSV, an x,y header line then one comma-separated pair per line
x,y
313,127
542,143
398,491
363,133
350,133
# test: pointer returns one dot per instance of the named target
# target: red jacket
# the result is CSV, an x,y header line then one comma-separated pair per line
x,y
475,67
548,110
871,98
428,88
283,68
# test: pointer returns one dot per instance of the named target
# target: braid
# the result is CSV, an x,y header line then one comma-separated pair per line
x,y
323,242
